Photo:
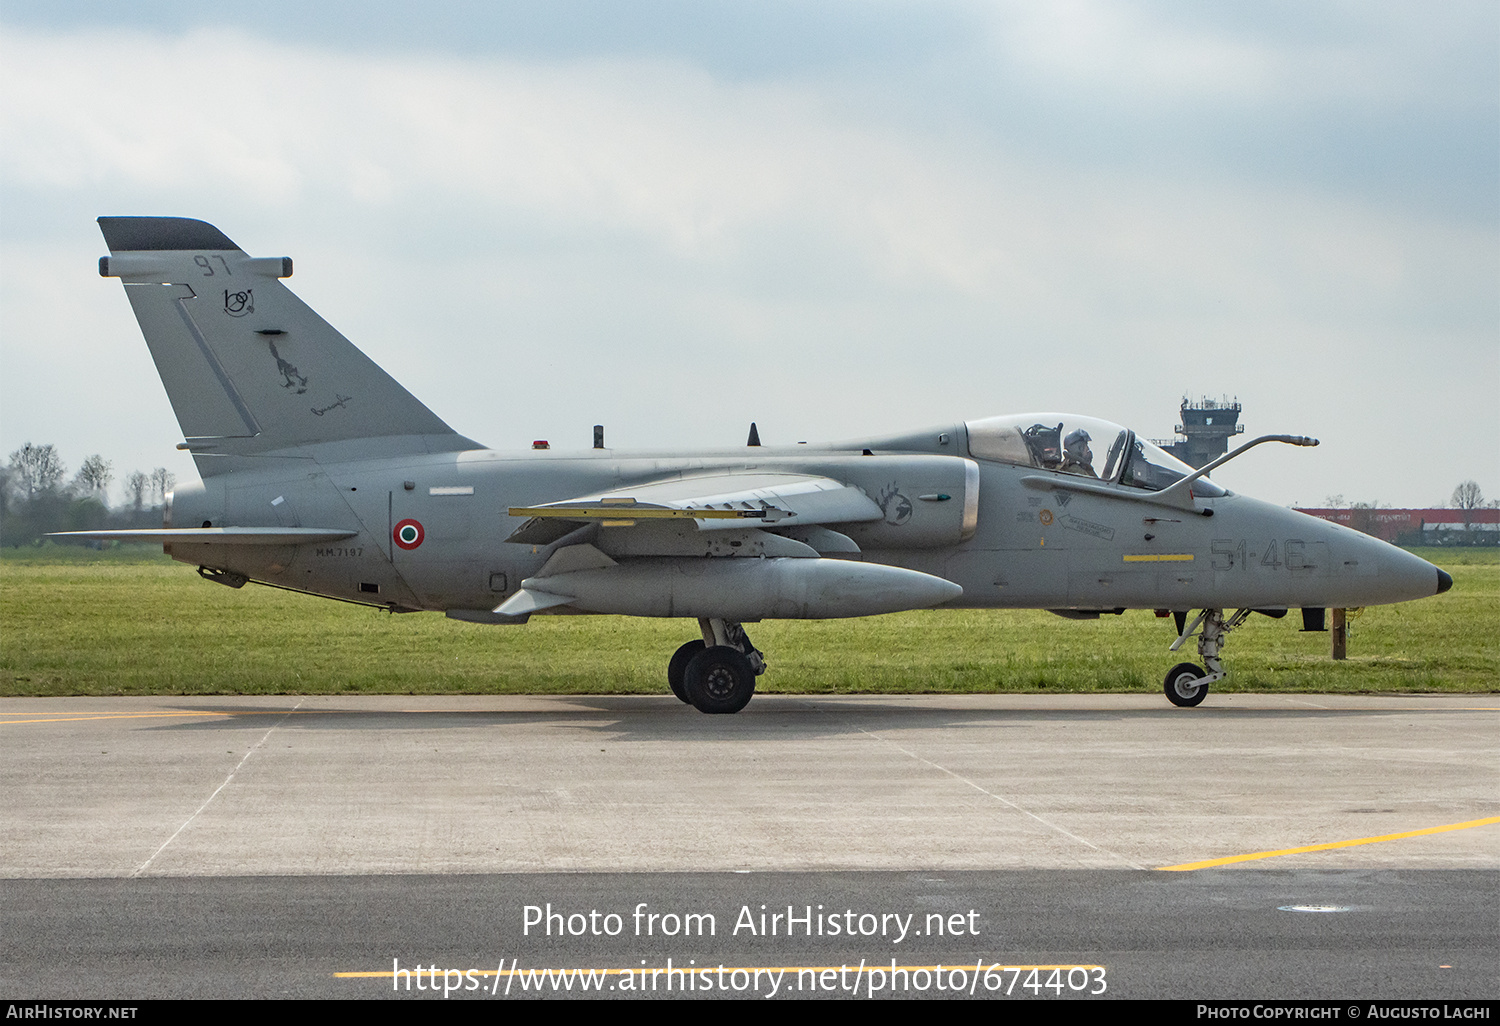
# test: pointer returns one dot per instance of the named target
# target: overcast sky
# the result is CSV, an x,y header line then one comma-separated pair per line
x,y
836,219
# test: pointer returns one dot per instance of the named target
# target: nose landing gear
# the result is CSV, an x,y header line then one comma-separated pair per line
x,y
1186,684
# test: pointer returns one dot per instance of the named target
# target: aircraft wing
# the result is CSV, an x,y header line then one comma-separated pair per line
x,y
713,502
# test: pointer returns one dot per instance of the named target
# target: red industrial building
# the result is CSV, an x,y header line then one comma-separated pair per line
x,y
1419,526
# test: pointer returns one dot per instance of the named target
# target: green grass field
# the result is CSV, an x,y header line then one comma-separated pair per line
x,y
130,621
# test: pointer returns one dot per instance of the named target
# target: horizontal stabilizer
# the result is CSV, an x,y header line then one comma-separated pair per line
x,y
216,535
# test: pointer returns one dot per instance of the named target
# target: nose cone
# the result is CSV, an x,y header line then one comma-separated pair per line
x,y
1404,576
1375,573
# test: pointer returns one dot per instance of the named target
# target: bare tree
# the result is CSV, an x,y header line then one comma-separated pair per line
x,y
95,475
135,489
36,468
1362,515
1467,497
162,481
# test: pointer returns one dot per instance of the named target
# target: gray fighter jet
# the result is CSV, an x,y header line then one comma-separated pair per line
x,y
321,474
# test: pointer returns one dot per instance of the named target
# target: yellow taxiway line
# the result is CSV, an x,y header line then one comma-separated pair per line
x,y
119,716
1468,824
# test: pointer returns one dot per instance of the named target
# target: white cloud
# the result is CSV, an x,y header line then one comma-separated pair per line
x,y
1147,54
632,229
664,153
1104,43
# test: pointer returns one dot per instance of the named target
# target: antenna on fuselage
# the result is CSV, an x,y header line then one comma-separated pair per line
x,y
754,438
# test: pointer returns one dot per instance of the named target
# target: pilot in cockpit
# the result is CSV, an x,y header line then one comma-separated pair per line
x,y
1078,458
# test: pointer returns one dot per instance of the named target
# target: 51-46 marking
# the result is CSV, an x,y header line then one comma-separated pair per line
x,y
1231,553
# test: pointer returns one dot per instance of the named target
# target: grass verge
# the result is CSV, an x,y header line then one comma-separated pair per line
x,y
129,621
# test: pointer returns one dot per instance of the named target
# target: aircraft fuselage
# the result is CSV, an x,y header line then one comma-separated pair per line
x,y
1028,547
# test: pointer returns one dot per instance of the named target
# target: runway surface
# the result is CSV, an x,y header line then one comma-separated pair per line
x,y
258,846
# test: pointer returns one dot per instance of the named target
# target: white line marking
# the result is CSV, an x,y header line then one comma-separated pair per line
x,y
1003,801
253,748
1299,701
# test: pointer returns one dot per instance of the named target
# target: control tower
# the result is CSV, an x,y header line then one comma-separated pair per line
x,y
1206,428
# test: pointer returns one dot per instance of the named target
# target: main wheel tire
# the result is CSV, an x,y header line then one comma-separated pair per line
x,y
678,666
1180,687
719,680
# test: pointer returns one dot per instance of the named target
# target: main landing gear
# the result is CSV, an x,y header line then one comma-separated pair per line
x,y
1186,684
717,674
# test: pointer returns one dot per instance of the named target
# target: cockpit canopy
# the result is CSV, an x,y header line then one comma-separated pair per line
x,y
1086,446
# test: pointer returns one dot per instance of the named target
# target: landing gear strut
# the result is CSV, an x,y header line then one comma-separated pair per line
x,y
717,674
1186,684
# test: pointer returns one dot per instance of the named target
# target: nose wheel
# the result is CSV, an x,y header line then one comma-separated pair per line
x,y
1187,684
1183,684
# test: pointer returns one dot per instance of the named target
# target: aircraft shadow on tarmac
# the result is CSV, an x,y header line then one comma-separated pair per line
x,y
633,718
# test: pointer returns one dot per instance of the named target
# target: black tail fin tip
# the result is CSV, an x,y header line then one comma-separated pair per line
x,y
134,234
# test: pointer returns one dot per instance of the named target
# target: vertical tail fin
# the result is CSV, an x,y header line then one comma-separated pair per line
x,y
250,368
